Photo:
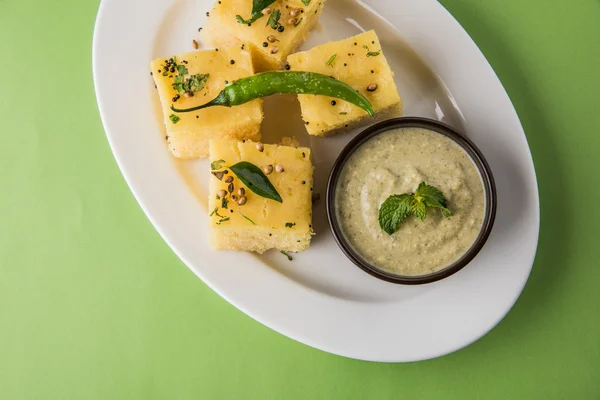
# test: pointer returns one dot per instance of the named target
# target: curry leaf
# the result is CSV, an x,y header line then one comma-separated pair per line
x,y
255,180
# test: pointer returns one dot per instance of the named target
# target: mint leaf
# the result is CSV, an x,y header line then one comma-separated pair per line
x,y
174,118
290,258
273,21
290,224
394,210
224,202
432,197
419,209
216,164
306,2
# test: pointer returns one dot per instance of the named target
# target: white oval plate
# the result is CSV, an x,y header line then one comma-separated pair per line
x,y
320,298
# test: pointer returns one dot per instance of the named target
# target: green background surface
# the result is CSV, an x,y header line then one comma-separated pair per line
x,y
94,305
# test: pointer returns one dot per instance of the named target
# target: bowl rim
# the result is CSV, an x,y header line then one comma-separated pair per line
x,y
466,144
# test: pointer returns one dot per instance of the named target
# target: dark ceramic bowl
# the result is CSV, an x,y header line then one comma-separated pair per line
x,y
481,165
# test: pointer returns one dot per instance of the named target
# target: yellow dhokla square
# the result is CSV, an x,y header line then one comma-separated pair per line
x,y
259,223
359,62
296,19
205,74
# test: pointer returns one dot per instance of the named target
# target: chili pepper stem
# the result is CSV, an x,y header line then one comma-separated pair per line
x,y
220,100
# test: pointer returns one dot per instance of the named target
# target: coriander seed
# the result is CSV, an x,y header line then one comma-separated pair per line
x,y
268,169
229,179
260,147
218,175
278,168
241,191
243,200
222,193
372,87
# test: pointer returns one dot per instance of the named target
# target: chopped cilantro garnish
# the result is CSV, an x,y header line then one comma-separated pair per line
x,y
254,18
182,70
371,53
219,222
194,83
273,21
290,258
331,60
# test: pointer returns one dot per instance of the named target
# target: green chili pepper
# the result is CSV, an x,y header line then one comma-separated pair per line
x,y
297,82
